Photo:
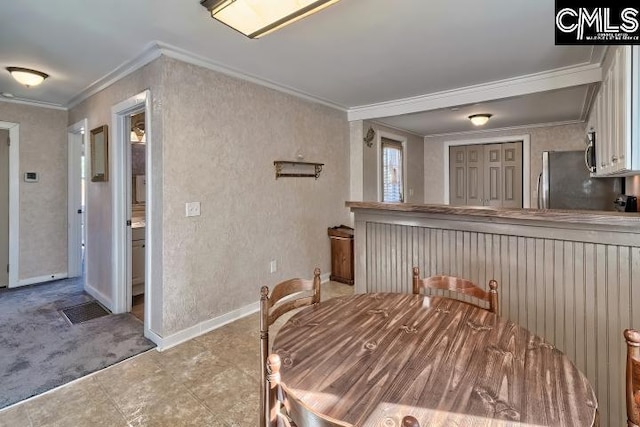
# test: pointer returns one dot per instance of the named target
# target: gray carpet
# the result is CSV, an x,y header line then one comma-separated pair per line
x,y
39,350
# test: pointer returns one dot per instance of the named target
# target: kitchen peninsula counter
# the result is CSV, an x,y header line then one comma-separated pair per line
x,y
569,276
485,213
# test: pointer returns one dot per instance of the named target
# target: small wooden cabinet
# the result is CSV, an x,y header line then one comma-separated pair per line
x,y
341,254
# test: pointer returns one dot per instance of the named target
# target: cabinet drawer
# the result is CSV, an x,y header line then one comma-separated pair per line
x,y
137,233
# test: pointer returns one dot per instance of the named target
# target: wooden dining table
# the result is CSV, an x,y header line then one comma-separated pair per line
x,y
370,359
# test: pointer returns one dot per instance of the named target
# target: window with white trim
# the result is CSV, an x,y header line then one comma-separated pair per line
x,y
392,171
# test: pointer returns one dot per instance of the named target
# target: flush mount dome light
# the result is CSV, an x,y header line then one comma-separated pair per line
x,y
26,76
256,18
480,119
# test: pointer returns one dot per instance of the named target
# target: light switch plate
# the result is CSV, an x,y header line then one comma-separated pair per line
x,y
193,209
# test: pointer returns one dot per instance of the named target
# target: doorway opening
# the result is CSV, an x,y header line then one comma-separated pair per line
x,y
9,193
4,207
132,204
77,136
137,171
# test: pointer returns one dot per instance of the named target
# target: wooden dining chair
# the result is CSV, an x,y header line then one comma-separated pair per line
x,y
281,301
459,285
633,377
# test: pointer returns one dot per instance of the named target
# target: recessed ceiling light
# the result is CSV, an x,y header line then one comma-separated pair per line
x,y
26,76
455,108
480,119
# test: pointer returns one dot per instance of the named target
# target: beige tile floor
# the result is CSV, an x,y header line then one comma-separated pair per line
x,y
211,380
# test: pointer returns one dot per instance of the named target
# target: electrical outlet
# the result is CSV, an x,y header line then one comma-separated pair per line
x,y
273,266
193,209
410,192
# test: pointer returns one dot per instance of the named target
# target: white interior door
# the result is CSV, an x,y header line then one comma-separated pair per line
x,y
4,207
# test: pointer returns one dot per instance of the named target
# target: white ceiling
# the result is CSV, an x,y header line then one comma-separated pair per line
x,y
563,105
354,53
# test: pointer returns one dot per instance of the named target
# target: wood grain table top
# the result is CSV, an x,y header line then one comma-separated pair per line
x,y
370,359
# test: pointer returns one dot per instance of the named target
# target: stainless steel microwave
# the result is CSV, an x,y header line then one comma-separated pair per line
x,y
590,151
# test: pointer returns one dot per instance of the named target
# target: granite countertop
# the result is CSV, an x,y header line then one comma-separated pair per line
x,y
625,219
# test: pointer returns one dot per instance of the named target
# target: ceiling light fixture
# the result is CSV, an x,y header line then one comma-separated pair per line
x,y
480,119
256,18
27,77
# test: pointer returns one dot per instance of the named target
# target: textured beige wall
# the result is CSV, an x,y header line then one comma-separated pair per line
x,y
221,137
97,109
43,205
558,138
415,164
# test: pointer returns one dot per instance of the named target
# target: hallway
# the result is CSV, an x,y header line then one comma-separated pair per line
x,y
41,350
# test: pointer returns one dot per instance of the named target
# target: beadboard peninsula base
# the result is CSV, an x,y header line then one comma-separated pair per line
x,y
568,276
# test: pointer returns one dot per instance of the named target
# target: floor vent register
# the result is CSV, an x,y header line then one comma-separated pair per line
x,y
83,312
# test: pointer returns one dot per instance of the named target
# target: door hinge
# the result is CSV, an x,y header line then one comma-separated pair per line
x,y
7,268
9,141
128,223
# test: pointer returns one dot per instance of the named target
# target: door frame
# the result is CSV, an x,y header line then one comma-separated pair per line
x,y
14,201
121,208
402,140
526,162
75,234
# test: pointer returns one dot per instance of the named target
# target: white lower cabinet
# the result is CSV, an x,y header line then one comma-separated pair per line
x,y
137,260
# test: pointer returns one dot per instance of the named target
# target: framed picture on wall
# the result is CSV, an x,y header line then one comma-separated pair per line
x,y
100,154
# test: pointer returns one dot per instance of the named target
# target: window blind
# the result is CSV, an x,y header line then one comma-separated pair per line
x,y
392,173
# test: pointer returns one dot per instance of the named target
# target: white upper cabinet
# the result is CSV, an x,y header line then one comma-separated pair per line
x,y
615,116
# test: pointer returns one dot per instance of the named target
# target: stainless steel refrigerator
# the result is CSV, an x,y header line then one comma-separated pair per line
x,y
565,183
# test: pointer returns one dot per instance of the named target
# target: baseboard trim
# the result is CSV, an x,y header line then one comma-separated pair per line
x,y
42,279
206,326
165,343
150,335
102,298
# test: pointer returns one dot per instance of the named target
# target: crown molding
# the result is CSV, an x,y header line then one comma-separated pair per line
x,y
598,52
589,97
191,58
518,86
375,122
510,128
33,103
157,48
148,54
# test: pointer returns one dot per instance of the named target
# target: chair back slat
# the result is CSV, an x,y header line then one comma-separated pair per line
x,y
633,377
290,287
458,285
288,306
